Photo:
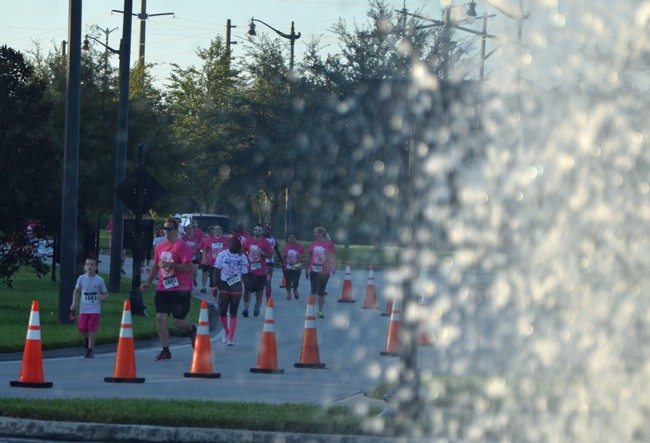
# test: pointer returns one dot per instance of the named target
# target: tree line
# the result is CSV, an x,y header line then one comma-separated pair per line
x,y
232,135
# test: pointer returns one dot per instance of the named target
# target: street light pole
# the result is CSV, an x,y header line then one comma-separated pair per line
x,y
292,37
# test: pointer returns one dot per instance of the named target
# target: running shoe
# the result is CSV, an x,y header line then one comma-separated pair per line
x,y
193,335
320,314
224,339
164,355
231,343
245,312
288,296
295,294
256,311
89,353
203,290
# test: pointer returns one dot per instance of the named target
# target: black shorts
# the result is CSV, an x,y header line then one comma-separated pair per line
x,y
206,268
175,303
255,283
318,283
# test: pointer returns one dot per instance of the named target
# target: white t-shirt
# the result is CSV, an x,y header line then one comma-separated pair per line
x,y
231,264
90,289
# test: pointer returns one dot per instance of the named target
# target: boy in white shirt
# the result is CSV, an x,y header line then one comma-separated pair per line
x,y
90,290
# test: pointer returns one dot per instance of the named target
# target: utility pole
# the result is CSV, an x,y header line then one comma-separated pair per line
x,y
106,50
229,26
143,16
120,150
68,244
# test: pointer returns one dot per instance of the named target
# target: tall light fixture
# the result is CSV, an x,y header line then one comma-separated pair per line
x,y
292,37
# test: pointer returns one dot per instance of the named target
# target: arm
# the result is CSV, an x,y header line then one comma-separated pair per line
x,y
154,272
333,259
277,252
103,296
75,297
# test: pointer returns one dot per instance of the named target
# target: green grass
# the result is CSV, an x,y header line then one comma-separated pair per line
x,y
287,417
15,307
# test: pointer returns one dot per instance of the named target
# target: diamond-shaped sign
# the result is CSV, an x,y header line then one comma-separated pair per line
x,y
140,191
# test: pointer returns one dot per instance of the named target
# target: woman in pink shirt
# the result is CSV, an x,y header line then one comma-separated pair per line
x,y
322,263
292,254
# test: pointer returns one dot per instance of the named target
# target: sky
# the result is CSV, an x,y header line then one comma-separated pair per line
x,y
176,38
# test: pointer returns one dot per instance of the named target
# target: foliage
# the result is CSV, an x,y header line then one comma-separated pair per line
x,y
27,161
203,106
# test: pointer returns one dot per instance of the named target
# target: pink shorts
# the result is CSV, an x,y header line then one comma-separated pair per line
x,y
88,322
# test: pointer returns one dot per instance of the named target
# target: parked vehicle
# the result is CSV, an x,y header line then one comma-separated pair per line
x,y
207,220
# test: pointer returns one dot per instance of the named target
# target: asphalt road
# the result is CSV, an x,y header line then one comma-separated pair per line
x,y
350,340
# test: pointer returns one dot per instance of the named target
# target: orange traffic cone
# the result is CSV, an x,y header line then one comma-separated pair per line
x,y
309,357
124,370
389,308
371,293
425,335
284,282
392,343
347,295
202,366
31,372
267,359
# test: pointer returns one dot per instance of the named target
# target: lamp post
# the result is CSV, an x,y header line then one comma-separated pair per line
x,y
292,37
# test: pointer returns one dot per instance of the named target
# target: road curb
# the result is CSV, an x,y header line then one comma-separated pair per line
x,y
101,432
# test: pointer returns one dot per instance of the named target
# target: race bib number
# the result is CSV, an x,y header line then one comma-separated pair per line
x,y
170,282
90,297
317,268
234,279
256,266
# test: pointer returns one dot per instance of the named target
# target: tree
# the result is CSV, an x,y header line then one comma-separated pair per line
x,y
29,164
205,110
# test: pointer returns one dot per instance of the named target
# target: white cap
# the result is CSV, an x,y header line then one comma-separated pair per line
x,y
177,216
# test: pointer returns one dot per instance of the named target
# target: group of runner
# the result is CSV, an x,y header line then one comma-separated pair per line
x,y
234,267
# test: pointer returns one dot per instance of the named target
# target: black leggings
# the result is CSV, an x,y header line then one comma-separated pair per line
x,y
293,278
229,298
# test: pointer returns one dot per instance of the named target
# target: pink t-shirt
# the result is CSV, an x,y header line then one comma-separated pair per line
x,y
193,242
211,247
291,254
320,253
170,279
253,249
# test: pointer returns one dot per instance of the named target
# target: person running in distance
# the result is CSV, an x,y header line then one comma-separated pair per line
x,y
90,290
173,265
270,263
322,263
239,231
193,240
210,248
230,267
292,253
257,249
197,231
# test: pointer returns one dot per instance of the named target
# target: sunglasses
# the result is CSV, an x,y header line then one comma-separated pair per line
x,y
168,228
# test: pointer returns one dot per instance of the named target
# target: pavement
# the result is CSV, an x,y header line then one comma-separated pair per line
x,y
350,340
